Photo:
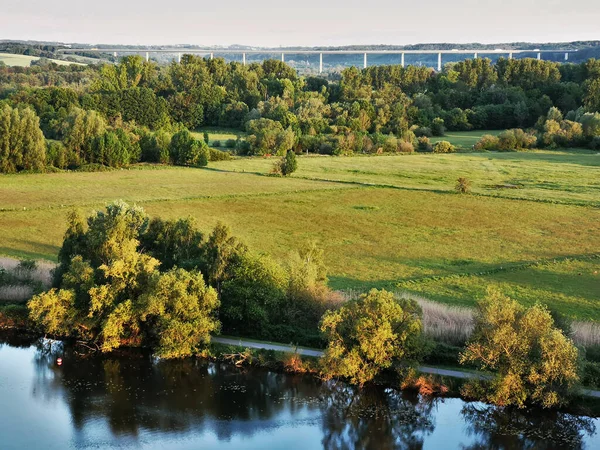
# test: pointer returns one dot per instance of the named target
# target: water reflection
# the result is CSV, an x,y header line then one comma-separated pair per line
x,y
131,398
508,428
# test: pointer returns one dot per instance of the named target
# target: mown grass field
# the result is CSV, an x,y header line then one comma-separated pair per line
x,y
464,139
413,227
566,177
25,61
218,134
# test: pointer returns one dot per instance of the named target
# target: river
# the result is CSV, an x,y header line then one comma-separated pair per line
x,y
133,401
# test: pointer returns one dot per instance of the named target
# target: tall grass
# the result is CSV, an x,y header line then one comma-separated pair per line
x,y
15,293
586,334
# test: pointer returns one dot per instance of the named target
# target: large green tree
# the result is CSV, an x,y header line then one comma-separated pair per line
x,y
533,360
22,143
370,334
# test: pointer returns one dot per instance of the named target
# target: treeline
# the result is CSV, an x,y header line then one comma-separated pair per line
x,y
126,279
373,110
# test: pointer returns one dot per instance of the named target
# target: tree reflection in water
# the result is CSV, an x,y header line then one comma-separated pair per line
x,y
509,428
373,418
129,394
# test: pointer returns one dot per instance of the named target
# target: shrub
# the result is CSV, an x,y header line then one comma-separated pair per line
x,y
437,127
424,145
216,143
443,147
405,147
463,185
487,142
218,155
590,374
423,132
205,136
230,143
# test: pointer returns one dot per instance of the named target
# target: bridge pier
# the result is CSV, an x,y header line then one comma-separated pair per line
x,y
439,62
244,59
402,59
510,55
566,56
320,62
212,56
365,61
115,54
178,57
147,56
539,56
283,57
475,56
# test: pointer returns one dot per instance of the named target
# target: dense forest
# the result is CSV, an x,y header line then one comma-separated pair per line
x,y
138,111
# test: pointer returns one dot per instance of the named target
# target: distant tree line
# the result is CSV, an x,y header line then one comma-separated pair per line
x,y
375,110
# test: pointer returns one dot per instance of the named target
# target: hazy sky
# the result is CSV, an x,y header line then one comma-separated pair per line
x,y
302,22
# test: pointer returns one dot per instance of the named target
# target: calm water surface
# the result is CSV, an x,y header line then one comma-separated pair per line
x,y
134,402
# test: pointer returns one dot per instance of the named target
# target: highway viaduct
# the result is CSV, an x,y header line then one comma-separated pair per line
x,y
210,52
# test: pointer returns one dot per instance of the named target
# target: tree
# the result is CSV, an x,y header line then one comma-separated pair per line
x,y
288,163
112,293
534,361
370,334
79,128
185,150
22,143
463,185
181,309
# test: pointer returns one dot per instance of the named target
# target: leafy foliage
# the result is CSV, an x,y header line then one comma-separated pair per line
x,y
534,360
370,334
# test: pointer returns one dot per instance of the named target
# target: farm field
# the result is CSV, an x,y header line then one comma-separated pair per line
x,y
373,236
25,61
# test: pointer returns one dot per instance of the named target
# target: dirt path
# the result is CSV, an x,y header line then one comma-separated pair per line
x,y
317,353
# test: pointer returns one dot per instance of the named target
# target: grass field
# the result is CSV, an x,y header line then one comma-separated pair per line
x,y
25,61
218,134
464,139
415,227
567,177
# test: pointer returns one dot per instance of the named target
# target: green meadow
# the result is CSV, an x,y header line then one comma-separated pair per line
x,y
381,220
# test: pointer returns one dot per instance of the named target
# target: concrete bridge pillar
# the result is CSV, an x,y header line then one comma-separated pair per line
x,y
439,62
212,56
147,56
402,59
115,54
365,61
539,56
244,59
510,55
475,56
320,62
178,57
283,57
566,56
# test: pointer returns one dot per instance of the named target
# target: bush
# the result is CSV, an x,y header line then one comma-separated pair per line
x,y
218,155
286,165
443,147
424,145
216,143
205,136
487,142
405,147
230,143
437,127
423,132
463,185
590,374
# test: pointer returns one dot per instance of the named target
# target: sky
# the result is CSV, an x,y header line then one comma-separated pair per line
x,y
302,22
